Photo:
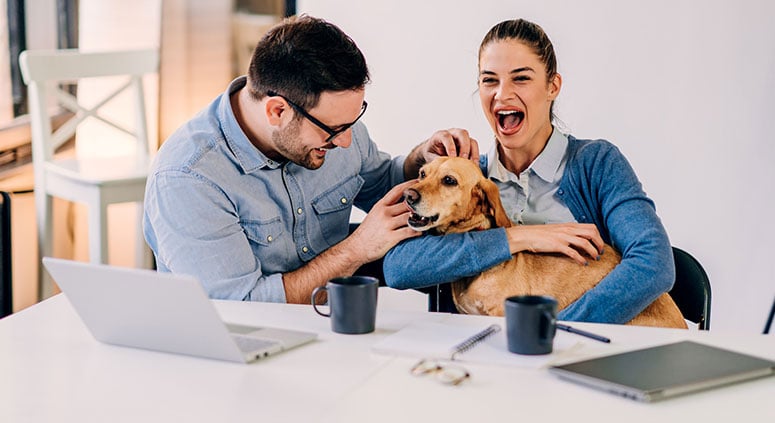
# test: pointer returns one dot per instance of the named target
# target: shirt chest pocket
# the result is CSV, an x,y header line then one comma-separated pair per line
x,y
333,208
338,198
266,238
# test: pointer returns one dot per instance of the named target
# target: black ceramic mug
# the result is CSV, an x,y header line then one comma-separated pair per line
x,y
352,302
530,324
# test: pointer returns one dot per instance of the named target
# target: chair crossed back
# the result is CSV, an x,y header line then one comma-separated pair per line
x,y
117,173
45,70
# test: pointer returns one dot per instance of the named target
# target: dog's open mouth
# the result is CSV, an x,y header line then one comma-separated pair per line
x,y
509,120
419,222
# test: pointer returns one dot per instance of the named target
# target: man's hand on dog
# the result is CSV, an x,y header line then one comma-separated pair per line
x,y
453,142
384,226
575,240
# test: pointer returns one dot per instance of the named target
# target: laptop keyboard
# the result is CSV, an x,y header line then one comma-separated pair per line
x,y
249,344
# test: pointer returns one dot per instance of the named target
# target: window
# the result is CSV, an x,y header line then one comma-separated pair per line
x,y
14,126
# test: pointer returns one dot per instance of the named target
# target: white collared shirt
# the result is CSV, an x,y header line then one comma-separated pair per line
x,y
529,198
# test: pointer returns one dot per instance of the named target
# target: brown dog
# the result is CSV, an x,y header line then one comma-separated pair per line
x,y
453,196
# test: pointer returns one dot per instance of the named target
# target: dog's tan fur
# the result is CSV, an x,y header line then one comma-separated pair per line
x,y
455,190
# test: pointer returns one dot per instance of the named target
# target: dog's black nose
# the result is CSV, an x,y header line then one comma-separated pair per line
x,y
411,196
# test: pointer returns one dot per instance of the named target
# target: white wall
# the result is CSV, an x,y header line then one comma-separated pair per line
x,y
684,88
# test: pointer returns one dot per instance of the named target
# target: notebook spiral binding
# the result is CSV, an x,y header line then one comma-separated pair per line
x,y
474,340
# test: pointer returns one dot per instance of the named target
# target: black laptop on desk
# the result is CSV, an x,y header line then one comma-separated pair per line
x,y
661,372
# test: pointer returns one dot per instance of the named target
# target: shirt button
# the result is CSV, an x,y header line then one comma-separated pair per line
x,y
305,249
269,238
343,200
298,211
561,192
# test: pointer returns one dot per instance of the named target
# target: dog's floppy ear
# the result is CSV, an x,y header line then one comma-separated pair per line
x,y
493,199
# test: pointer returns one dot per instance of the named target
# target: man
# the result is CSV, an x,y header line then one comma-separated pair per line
x,y
253,195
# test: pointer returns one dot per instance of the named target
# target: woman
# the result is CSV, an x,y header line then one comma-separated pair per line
x,y
566,195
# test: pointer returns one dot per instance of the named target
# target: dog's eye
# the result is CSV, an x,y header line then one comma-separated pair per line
x,y
422,174
448,180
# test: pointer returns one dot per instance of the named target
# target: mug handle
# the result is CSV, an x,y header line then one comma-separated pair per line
x,y
312,299
547,335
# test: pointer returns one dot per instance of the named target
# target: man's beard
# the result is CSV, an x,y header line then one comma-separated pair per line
x,y
289,145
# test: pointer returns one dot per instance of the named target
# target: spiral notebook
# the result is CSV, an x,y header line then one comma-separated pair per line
x,y
462,342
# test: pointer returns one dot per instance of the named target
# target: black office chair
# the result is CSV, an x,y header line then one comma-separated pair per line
x,y
691,291
440,298
6,294
769,318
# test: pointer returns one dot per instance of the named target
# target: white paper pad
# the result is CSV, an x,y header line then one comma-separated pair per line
x,y
437,340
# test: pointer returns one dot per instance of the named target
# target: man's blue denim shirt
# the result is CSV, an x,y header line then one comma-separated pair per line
x,y
220,210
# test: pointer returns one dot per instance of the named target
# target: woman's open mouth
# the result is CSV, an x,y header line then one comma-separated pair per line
x,y
509,121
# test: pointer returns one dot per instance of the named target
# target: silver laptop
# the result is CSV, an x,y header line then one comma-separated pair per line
x,y
162,312
664,371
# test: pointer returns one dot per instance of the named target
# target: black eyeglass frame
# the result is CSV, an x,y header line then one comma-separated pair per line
x,y
331,132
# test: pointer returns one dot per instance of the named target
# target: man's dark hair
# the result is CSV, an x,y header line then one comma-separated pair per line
x,y
303,57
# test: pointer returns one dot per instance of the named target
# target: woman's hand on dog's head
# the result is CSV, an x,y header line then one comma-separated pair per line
x,y
453,142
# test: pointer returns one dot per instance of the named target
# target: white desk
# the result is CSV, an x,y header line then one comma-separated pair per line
x,y
51,369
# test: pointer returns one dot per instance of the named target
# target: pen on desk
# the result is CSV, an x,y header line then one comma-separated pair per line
x,y
583,333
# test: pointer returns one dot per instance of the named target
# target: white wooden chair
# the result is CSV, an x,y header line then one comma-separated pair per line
x,y
95,182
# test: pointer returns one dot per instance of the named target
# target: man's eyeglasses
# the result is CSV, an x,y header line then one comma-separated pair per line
x,y
332,133
447,373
